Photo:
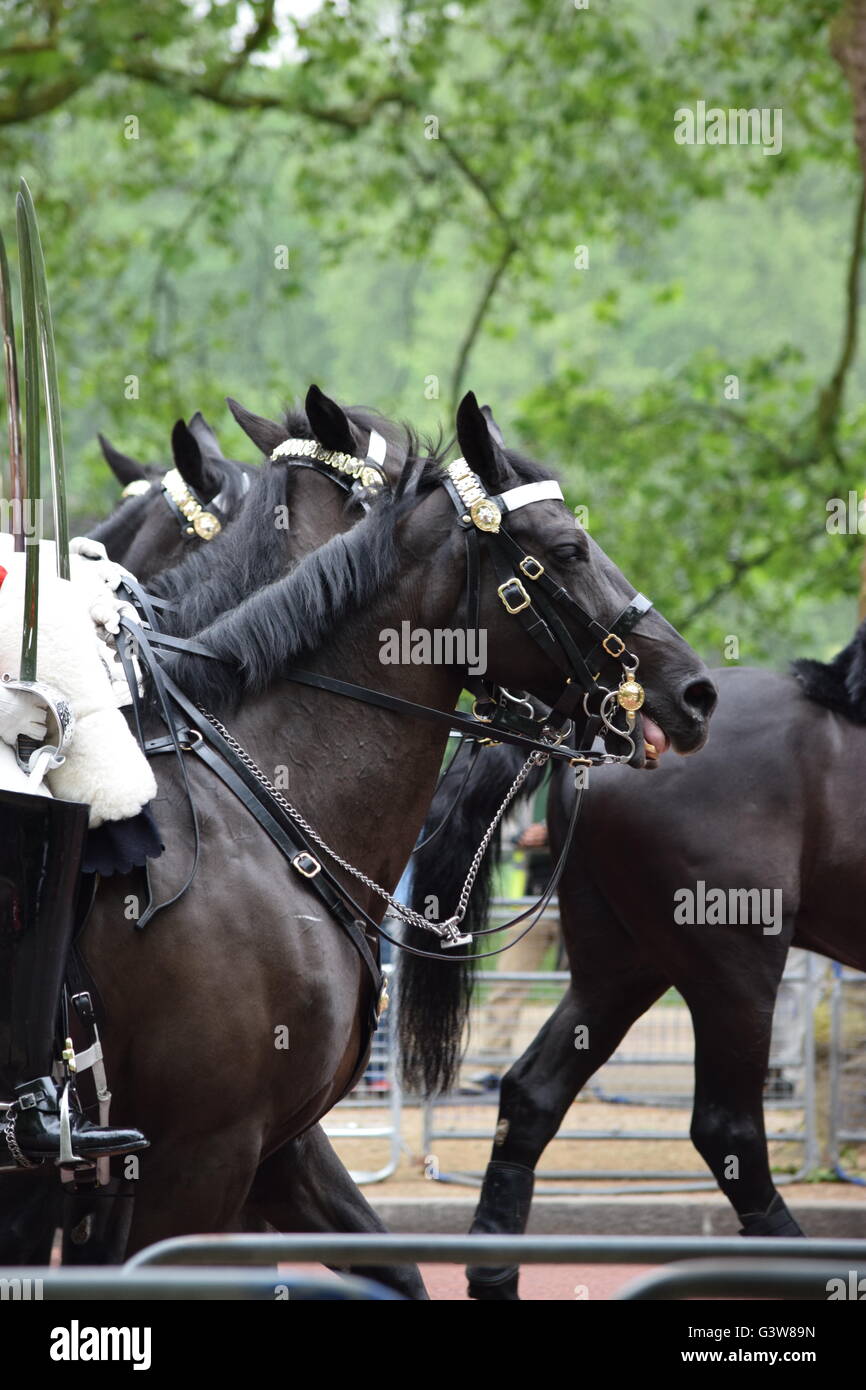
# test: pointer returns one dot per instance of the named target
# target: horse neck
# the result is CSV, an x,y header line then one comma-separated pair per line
x,y
362,776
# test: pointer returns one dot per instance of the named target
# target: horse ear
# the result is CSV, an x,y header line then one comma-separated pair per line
x,y
495,431
478,445
125,469
265,434
197,472
205,438
329,423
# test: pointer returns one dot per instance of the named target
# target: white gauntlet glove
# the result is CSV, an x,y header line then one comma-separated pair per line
x,y
96,578
21,712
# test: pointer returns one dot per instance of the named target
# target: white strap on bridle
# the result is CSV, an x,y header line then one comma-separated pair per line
x,y
529,492
221,501
377,448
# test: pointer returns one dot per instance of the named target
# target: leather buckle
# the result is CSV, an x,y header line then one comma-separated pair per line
x,y
29,1101
532,568
306,864
512,604
612,637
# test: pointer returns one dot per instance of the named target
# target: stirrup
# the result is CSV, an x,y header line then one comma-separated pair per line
x,y
66,1158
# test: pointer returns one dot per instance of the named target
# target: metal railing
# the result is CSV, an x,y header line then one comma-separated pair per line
x,y
652,1068
378,1090
720,1267
847,1068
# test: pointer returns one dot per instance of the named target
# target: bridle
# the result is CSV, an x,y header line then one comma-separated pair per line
x,y
548,613
195,517
360,477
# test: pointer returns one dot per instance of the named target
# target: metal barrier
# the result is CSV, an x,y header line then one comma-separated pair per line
x,y
799,1279
377,1092
37,1285
652,1068
728,1267
381,1249
244,1267
847,1068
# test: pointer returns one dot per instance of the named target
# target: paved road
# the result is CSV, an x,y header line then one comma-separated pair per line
x,y
540,1283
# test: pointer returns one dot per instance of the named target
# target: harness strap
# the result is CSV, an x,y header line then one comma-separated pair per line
x,y
454,720
137,635
212,749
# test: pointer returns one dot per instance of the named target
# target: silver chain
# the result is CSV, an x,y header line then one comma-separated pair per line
x,y
12,1141
448,928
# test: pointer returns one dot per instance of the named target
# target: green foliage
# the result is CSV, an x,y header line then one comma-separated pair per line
x,y
418,262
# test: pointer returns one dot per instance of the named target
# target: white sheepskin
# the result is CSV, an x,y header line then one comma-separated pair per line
x,y
104,765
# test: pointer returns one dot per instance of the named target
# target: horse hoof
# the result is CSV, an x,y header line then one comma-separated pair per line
x,y
493,1286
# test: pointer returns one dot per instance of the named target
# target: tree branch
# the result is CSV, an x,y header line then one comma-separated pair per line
x,y
830,400
24,105
477,319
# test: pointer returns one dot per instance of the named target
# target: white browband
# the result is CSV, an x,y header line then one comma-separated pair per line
x,y
529,492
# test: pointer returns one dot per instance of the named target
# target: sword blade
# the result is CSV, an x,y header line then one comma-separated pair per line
x,y
13,401
51,388
33,480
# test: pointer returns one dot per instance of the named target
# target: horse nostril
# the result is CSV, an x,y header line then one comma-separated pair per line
x,y
700,697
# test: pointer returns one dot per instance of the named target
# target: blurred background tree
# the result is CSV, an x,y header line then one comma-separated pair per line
x,y
401,198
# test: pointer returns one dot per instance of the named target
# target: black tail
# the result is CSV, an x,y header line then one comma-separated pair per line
x,y
434,995
839,684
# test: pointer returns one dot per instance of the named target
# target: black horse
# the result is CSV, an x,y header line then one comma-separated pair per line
x,y
773,804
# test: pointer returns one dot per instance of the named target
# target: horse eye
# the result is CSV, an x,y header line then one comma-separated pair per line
x,y
569,554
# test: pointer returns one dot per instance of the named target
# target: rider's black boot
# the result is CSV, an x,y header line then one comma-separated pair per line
x,y
41,847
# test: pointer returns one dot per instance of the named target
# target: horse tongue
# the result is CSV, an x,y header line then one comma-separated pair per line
x,y
654,734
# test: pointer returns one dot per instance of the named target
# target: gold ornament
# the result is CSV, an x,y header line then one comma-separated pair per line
x,y
630,695
485,514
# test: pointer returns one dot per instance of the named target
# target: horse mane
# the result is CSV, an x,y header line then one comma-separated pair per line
x,y
840,684
273,625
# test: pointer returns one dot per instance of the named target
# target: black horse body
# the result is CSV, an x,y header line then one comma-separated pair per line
x,y
774,803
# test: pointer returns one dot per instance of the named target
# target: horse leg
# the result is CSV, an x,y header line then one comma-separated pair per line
x,y
732,1027
587,1026
30,1212
304,1186
192,1185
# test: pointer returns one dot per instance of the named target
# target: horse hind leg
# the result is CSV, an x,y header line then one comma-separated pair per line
x,y
304,1186
587,1026
732,1045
